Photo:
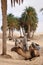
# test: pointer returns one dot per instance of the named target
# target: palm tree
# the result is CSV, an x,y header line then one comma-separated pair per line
x,y
32,17
12,24
4,21
15,24
29,17
10,19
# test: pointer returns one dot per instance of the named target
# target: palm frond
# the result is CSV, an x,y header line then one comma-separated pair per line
x,y
17,1
11,2
14,2
22,1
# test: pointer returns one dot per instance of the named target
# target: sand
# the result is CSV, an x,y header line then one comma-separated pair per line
x,y
19,60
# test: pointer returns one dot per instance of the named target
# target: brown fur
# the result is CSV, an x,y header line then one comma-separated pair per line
x,y
26,54
21,52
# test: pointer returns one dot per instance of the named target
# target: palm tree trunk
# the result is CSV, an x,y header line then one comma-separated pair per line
x,y
4,24
28,36
12,34
33,34
9,34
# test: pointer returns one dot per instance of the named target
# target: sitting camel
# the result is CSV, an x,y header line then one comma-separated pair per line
x,y
33,52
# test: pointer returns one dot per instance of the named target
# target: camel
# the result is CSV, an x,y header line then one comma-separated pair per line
x,y
27,54
20,51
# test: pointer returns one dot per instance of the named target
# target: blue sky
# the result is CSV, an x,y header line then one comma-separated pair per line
x,y
17,11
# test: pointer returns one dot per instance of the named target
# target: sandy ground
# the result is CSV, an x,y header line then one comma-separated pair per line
x,y
19,60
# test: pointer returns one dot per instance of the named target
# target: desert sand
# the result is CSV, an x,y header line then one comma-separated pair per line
x,y
19,60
